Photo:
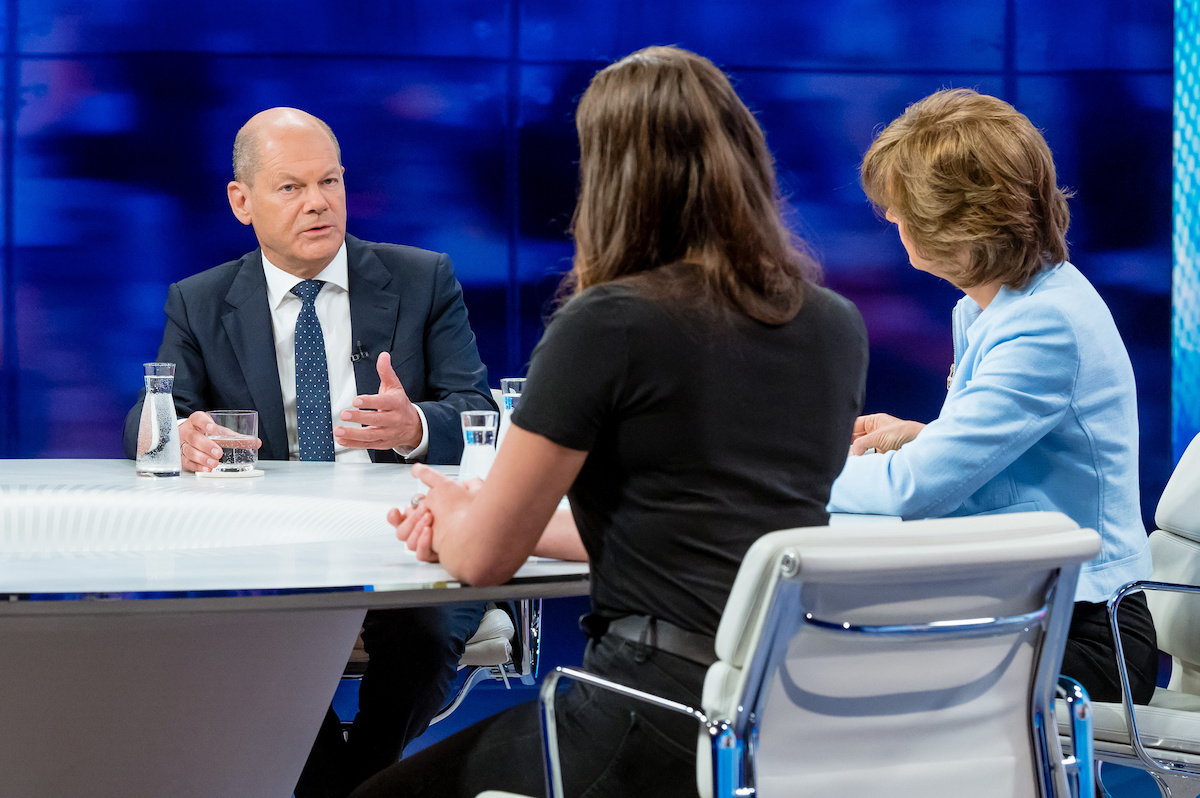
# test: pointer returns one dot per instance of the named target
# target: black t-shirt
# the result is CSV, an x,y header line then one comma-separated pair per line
x,y
705,429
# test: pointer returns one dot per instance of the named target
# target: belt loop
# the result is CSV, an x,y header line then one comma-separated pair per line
x,y
647,640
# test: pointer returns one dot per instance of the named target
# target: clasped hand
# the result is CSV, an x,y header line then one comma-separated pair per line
x,y
389,420
417,523
882,432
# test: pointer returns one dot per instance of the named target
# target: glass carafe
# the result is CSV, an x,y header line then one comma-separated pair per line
x,y
158,433
510,392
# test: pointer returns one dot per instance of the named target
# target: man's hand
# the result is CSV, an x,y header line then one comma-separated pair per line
x,y
196,450
882,432
389,419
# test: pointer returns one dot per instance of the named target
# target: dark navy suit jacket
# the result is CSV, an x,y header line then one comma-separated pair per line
x,y
403,300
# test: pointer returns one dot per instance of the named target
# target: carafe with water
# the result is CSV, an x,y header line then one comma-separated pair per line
x,y
510,392
158,433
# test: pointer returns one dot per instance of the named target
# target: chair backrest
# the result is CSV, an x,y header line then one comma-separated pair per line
x,y
1175,548
834,695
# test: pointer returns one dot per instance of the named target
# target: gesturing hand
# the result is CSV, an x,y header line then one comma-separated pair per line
x,y
389,419
882,432
417,524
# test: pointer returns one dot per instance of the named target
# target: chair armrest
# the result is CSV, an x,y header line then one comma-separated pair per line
x,y
1082,746
719,731
1152,765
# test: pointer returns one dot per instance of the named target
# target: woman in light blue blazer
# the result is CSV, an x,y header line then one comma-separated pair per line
x,y
1041,411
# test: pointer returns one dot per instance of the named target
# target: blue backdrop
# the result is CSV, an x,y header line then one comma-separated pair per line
x,y
456,127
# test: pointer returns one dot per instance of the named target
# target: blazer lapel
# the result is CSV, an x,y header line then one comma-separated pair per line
x,y
248,324
374,310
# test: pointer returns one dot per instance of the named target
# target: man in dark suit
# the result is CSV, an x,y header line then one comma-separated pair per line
x,y
314,328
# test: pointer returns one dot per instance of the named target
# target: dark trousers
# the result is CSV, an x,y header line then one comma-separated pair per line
x,y
414,656
610,746
1091,656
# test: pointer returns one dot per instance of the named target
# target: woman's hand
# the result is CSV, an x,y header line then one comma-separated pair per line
x,y
882,432
417,524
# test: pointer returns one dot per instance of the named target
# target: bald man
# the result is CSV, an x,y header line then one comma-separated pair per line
x,y
385,328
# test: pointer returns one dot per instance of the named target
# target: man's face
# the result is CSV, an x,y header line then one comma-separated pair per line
x,y
297,201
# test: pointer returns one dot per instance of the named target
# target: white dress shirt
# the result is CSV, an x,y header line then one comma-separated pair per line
x,y
333,311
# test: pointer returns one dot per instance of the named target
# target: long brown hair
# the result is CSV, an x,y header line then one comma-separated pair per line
x,y
674,169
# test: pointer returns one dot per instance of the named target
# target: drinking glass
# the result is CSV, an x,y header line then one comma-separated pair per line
x,y
510,391
158,431
235,433
479,443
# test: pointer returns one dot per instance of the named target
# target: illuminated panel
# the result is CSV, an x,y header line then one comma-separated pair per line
x,y
1186,283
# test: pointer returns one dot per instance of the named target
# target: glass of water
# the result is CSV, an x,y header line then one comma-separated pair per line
x,y
479,443
510,391
236,433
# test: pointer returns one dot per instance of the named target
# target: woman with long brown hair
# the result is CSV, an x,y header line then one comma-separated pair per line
x,y
696,391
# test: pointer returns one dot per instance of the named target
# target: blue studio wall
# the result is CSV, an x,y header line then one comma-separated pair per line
x,y
456,125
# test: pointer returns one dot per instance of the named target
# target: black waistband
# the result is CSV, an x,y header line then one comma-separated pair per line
x,y
655,633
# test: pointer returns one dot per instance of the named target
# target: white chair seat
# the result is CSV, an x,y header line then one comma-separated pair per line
x,y
1170,723
491,645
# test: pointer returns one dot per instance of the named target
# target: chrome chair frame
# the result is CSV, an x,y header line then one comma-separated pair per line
x,y
734,740
1160,765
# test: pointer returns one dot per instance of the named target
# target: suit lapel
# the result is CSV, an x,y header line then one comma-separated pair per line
x,y
374,311
247,322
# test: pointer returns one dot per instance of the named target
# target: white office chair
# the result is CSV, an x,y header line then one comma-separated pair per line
x,y
489,654
910,659
1166,734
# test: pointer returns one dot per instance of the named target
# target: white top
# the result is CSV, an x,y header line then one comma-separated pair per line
x,y
333,311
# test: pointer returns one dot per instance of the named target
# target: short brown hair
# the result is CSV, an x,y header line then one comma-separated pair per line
x,y
969,173
674,169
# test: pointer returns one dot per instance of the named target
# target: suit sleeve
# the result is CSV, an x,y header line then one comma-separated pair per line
x,y
1021,389
456,378
179,346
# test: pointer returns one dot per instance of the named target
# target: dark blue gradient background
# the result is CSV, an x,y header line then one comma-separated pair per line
x,y
456,125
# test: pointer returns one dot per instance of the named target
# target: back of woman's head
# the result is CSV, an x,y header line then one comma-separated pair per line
x,y
968,173
674,169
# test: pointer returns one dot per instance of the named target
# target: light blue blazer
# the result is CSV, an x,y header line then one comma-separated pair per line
x,y
1041,414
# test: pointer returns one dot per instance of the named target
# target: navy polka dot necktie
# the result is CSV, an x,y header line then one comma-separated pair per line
x,y
314,418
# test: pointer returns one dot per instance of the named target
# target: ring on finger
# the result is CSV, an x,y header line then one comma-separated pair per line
x,y
415,501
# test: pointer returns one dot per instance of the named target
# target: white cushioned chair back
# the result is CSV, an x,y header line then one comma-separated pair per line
x,y
1175,549
1179,508
851,715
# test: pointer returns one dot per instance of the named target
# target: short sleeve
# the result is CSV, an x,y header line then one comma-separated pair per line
x,y
576,371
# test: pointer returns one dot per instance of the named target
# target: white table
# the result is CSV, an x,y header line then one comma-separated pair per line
x,y
182,637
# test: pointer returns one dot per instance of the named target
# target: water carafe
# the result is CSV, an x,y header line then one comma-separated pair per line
x,y
510,393
158,433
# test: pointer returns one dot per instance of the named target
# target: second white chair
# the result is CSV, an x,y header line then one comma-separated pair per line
x,y
1164,739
